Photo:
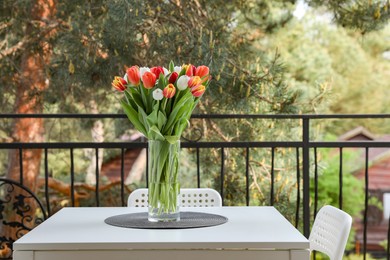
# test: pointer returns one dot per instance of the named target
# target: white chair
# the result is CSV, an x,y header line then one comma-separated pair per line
x,y
202,197
330,232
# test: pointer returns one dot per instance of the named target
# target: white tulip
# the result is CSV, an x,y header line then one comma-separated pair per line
x,y
166,72
177,69
158,94
125,78
142,70
182,82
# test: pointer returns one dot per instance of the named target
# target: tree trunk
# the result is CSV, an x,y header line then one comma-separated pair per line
x,y
98,136
33,81
97,133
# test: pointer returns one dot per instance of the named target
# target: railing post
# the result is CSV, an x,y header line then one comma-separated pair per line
x,y
306,176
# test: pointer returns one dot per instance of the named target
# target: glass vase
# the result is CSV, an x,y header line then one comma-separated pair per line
x,y
164,187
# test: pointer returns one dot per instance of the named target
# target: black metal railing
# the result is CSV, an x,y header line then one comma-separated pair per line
x,y
306,150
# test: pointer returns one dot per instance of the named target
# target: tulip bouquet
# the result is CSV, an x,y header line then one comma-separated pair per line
x,y
159,103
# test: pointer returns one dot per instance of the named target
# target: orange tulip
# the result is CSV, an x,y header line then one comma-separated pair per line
x,y
190,70
149,79
169,91
119,83
133,75
194,81
202,71
198,90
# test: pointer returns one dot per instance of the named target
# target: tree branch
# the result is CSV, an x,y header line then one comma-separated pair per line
x,y
28,40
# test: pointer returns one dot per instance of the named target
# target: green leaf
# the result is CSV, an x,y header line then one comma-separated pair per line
x,y
132,114
136,96
152,118
174,116
161,120
143,94
130,100
172,138
168,107
171,66
142,117
180,125
162,81
155,134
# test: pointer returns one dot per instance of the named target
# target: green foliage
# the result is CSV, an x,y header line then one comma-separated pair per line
x,y
336,70
328,181
329,184
261,58
358,14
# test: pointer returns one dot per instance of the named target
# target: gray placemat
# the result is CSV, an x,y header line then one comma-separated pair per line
x,y
187,220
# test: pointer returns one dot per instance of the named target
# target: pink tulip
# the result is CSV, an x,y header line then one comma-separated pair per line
x,y
157,71
149,79
173,77
202,71
169,91
133,75
198,90
119,83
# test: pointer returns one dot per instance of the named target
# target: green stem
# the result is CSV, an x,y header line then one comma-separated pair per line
x,y
163,176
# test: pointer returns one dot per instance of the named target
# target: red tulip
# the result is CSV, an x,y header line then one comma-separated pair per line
x,y
190,70
157,71
202,71
119,83
169,91
133,75
194,81
198,90
173,77
149,79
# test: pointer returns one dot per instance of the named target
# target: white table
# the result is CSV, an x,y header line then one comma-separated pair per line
x,y
80,233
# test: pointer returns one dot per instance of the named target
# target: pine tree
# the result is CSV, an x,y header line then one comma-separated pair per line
x,y
60,56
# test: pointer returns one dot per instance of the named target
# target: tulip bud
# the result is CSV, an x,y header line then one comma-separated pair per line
x,y
202,71
194,81
177,69
190,70
149,79
182,82
119,83
133,75
166,72
158,94
157,71
169,91
173,78
198,90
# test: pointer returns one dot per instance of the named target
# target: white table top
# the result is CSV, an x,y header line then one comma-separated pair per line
x,y
84,229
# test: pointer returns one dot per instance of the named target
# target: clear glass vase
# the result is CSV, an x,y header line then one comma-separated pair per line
x,y
164,187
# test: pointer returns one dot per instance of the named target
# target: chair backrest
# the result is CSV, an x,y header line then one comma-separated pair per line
x,y
330,232
202,197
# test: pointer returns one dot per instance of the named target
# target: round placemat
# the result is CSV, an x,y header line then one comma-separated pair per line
x,y
187,220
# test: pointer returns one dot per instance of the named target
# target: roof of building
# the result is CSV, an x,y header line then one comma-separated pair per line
x,y
378,157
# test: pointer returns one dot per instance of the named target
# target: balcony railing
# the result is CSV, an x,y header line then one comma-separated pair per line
x,y
306,162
